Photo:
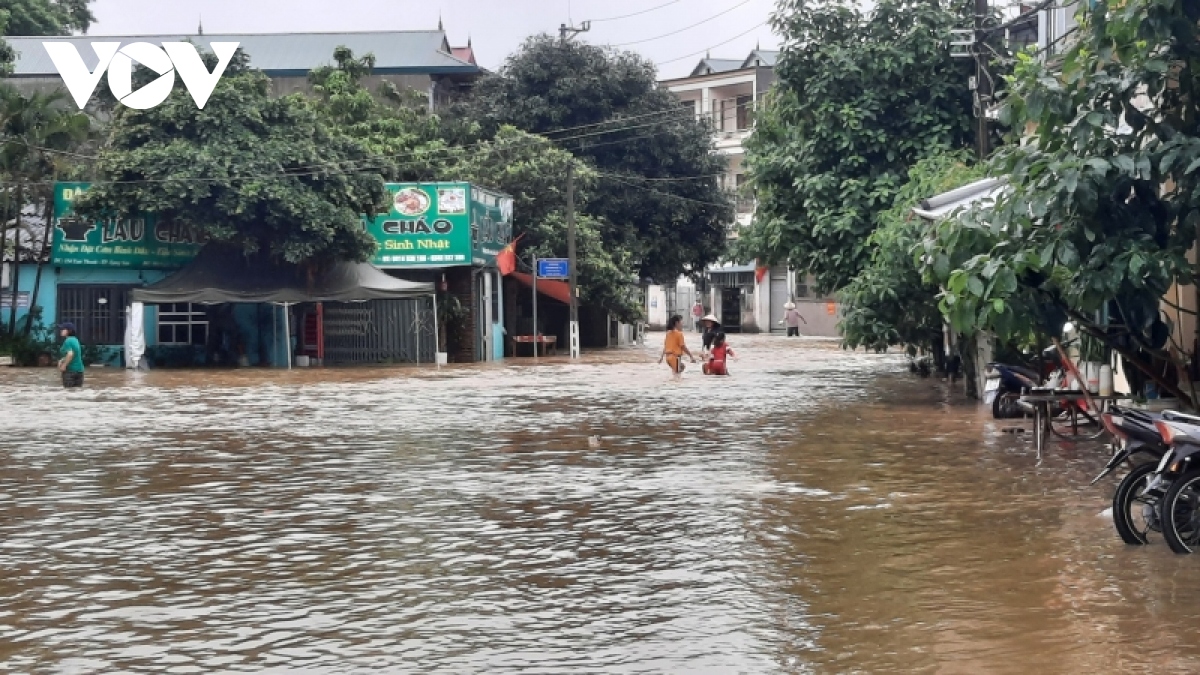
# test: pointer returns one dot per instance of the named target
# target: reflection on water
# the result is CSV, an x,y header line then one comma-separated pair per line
x,y
819,511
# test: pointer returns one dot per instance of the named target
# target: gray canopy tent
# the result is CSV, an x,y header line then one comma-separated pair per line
x,y
222,275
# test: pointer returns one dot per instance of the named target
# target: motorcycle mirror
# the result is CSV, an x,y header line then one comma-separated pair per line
x,y
1068,327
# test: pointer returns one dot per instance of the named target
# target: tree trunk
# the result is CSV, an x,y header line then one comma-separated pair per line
x,y
41,260
13,269
12,314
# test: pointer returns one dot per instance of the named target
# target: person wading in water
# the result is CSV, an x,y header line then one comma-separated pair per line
x,y
674,347
71,363
711,327
792,318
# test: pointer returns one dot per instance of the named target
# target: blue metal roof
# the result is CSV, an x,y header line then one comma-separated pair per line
x,y
276,53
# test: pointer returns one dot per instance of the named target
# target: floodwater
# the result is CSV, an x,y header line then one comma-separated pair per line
x,y
818,511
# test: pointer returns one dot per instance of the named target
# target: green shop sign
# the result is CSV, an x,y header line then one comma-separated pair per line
x,y
141,242
491,224
440,225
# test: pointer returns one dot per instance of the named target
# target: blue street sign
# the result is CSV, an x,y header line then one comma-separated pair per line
x,y
553,268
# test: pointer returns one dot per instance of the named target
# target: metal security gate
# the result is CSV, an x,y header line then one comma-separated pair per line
x,y
380,331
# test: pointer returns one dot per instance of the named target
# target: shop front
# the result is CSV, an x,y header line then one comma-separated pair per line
x,y
449,240
450,233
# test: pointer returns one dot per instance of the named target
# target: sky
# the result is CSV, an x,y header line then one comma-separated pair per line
x,y
496,27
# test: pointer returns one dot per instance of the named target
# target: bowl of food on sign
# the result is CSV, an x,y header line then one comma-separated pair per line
x,y
412,202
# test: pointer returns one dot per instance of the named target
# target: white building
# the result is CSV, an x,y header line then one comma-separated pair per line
x,y
727,92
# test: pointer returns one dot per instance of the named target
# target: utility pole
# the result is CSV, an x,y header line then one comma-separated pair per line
x,y
983,79
972,44
571,262
566,32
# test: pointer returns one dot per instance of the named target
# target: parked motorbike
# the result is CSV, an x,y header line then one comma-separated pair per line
x,y
1135,510
1176,482
1006,383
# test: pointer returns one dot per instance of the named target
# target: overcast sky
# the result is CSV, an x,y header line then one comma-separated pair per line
x,y
497,27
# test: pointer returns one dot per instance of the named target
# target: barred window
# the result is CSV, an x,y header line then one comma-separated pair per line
x,y
98,312
182,323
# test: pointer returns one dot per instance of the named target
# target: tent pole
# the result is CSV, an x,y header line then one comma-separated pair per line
x,y
436,333
287,336
321,332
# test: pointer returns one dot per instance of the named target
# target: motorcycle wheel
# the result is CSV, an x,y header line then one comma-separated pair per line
x,y
1004,406
1130,515
1180,513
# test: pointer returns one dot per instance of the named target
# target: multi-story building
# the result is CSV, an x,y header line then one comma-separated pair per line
x,y
746,298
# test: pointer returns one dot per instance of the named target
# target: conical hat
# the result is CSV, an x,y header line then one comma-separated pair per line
x,y
711,318
789,305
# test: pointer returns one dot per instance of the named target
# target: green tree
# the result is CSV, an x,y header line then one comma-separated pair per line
x,y
40,17
1103,201
41,133
390,123
270,175
889,302
659,197
860,98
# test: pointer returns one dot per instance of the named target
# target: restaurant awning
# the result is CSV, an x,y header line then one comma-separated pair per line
x,y
220,274
558,290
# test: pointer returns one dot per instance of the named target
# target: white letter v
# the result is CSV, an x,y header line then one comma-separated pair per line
x,y
79,80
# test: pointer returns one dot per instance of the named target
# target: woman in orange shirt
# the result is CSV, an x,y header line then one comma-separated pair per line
x,y
674,347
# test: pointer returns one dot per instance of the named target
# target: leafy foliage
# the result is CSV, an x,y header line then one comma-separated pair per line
x,y
273,176
860,98
889,302
1103,199
639,141
40,17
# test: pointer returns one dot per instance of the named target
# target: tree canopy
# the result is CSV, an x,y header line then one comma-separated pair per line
x,y
272,175
889,302
860,98
660,200
1103,200
40,17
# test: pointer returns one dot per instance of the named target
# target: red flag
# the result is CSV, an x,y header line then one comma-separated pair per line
x,y
759,274
506,259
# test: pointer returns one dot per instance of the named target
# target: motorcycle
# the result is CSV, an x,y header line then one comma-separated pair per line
x,y
1175,481
1135,434
1006,383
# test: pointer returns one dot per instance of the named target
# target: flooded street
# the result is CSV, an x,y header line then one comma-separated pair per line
x,y
819,511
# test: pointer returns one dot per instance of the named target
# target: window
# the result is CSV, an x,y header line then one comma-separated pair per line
x,y
182,323
801,290
98,312
745,112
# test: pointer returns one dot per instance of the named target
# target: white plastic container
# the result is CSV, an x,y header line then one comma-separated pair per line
x,y
1091,373
443,358
1106,380
302,361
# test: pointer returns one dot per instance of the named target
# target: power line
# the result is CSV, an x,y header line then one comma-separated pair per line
x,y
618,179
719,44
687,28
644,11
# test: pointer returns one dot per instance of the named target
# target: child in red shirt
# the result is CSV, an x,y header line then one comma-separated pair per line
x,y
717,357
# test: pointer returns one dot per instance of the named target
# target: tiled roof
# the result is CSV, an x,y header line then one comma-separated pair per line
x,y
768,58
707,66
278,53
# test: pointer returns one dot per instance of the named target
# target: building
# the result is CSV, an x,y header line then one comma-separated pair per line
x,y
746,298
442,236
418,60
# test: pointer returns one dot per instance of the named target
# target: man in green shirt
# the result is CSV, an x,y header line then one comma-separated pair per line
x,y
71,363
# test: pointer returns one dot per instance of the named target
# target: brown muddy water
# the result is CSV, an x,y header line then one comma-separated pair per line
x,y
819,511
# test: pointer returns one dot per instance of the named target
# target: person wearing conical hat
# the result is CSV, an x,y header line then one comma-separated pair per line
x,y
792,318
712,326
